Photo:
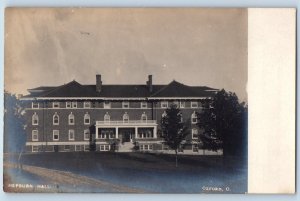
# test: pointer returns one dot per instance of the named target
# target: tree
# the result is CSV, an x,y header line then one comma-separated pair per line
x,y
224,122
173,129
14,124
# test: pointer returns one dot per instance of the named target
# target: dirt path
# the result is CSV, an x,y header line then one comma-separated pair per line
x,y
73,180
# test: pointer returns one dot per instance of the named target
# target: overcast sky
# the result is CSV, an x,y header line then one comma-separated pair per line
x,y
50,47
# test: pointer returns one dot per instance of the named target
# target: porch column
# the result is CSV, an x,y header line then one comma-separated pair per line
x,y
117,132
154,132
136,132
96,137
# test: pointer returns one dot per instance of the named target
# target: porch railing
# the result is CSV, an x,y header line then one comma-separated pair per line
x,y
130,122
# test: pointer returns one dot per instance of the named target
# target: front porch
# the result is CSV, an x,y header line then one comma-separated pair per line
x,y
126,131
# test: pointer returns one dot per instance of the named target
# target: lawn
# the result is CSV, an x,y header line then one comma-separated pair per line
x,y
153,173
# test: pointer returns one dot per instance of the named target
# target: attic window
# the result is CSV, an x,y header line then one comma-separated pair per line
x,y
125,104
106,105
35,105
143,104
55,104
68,104
194,104
87,104
164,104
74,104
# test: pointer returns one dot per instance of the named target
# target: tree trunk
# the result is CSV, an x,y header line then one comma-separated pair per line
x,y
176,158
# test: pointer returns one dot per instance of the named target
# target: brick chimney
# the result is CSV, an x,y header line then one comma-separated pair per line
x,y
149,83
98,83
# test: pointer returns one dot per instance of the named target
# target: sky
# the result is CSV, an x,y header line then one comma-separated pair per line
x,y
197,47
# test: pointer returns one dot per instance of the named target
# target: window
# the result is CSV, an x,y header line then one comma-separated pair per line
x,y
180,148
35,148
125,105
126,118
86,148
181,118
87,104
141,147
143,104
144,117
164,104
194,133
55,135
194,118
55,105
35,135
77,147
195,148
67,147
104,147
55,119
106,105
106,117
194,104
74,104
182,104
176,104
86,119
35,105
68,104
35,119
71,119
71,134
86,134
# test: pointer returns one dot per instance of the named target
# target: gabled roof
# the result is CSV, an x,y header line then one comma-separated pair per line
x,y
74,89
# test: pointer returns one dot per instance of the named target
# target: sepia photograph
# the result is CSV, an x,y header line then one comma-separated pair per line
x,y
126,100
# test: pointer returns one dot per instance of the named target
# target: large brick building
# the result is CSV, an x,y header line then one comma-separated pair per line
x,y
75,117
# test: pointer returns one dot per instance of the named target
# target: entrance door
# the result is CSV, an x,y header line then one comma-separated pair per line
x,y
126,134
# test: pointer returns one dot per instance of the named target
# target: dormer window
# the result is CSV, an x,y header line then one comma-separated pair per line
x,y
55,105
125,104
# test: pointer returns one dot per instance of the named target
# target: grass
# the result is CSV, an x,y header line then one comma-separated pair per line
x,y
150,172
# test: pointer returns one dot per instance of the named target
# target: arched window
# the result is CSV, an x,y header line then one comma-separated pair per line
x,y
194,118
35,119
194,133
181,118
87,119
71,119
106,117
55,119
164,114
125,117
144,117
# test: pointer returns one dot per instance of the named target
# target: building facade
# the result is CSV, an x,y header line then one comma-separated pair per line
x,y
122,118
